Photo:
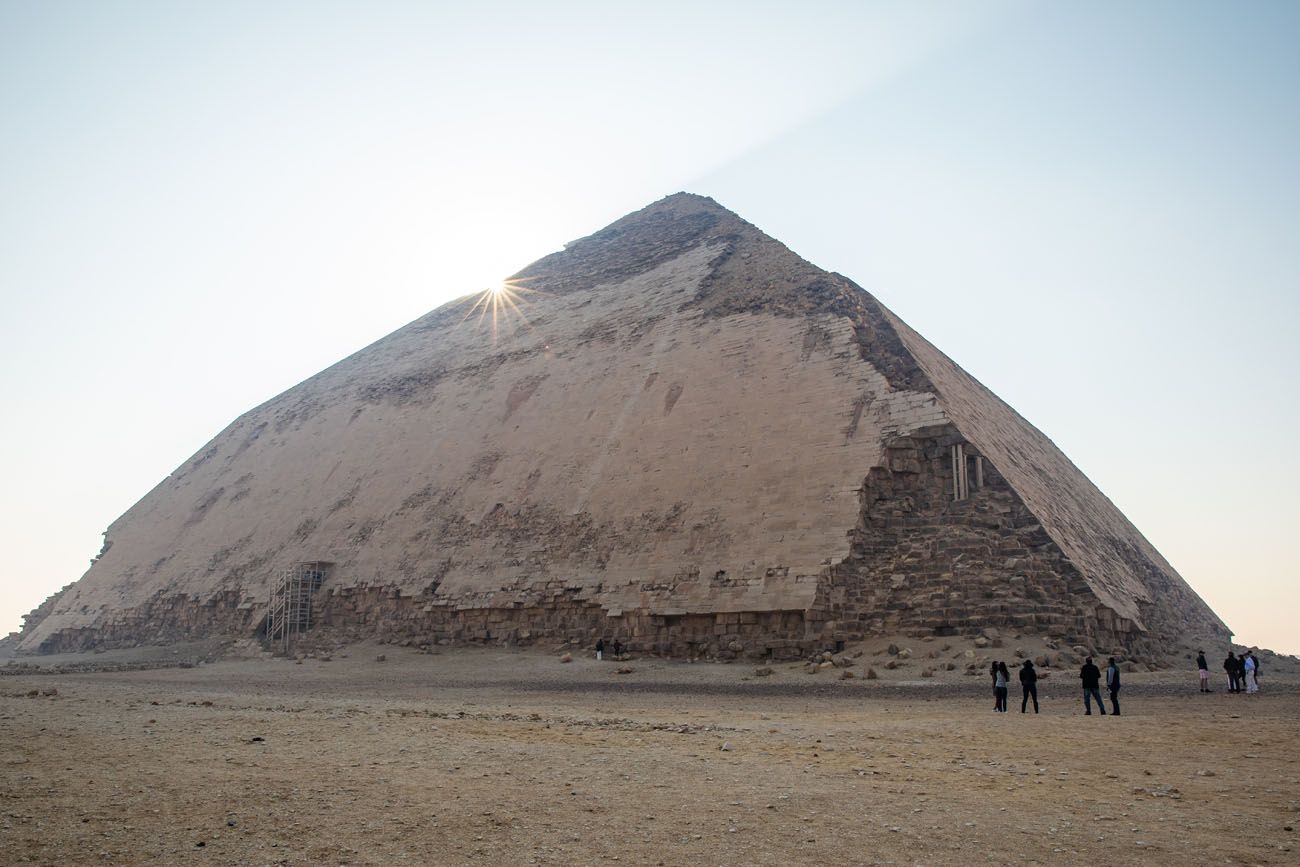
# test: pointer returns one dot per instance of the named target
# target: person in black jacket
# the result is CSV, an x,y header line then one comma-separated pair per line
x,y
1230,666
1091,677
1028,685
1112,684
1203,670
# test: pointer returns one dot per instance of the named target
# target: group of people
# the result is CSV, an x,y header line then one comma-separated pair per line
x,y
1243,672
1089,674
1028,685
1243,676
616,647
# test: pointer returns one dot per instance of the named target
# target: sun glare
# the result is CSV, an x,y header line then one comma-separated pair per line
x,y
501,306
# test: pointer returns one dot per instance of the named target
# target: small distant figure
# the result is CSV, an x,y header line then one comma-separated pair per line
x,y
1203,669
600,649
1230,666
1028,685
993,673
1250,667
1001,678
1112,684
618,648
1091,677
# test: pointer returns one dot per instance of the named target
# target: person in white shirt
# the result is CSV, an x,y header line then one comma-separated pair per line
x,y
1252,685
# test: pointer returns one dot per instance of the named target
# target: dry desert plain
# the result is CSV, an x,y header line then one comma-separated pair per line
x,y
504,756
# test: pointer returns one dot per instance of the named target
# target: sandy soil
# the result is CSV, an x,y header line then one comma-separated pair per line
x,y
510,757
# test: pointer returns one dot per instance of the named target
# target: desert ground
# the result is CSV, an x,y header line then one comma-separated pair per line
x,y
506,756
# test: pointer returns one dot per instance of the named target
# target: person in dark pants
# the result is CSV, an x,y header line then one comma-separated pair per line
x,y
1230,666
1091,677
1000,682
993,673
1028,685
1112,684
600,648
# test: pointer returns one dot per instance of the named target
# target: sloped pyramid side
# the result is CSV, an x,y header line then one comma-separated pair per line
x,y
677,431
1125,572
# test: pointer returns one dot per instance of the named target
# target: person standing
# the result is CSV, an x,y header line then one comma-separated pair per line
x,y
1203,669
1091,677
1000,679
600,649
1248,665
1028,685
1112,684
993,673
1230,666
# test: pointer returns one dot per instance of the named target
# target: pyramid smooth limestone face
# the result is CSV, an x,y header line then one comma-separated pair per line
x,y
675,432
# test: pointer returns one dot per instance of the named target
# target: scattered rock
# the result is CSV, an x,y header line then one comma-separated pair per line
x,y
892,650
763,672
871,674
846,674
568,657
625,669
381,658
1159,791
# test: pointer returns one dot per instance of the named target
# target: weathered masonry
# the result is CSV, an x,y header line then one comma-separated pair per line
x,y
674,432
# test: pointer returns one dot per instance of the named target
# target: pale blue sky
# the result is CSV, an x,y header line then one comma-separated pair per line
x,y
1091,207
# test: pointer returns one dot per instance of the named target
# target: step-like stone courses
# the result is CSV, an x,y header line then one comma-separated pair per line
x,y
925,563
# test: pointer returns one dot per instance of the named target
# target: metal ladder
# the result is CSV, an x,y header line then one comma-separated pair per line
x,y
289,614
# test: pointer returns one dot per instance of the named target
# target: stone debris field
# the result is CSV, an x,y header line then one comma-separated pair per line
x,y
376,754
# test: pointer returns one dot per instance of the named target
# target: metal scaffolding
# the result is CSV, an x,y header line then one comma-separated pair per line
x,y
289,614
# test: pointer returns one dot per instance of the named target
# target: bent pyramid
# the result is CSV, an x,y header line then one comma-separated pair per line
x,y
675,432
